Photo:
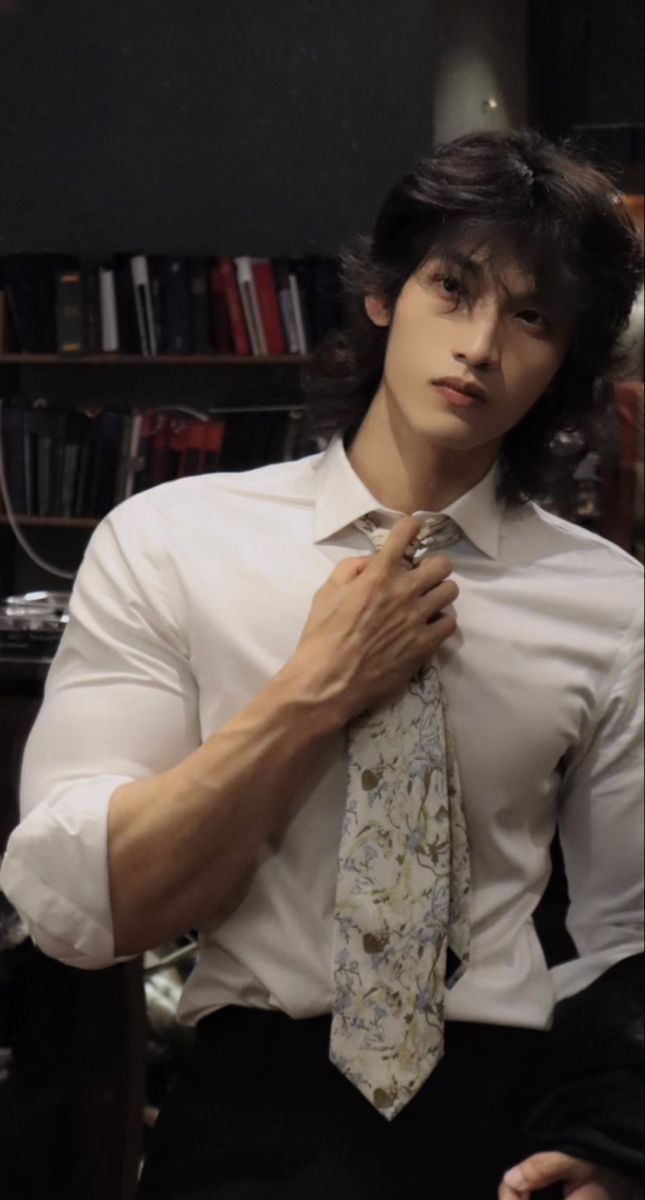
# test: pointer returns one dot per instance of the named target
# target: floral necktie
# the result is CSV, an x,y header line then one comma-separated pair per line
x,y
402,929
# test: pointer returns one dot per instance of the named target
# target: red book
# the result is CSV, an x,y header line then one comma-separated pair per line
x,y
269,306
227,278
160,449
220,322
213,442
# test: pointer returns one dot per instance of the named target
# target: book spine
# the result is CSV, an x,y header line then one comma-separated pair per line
x,y
69,312
108,311
298,315
70,465
30,283
269,307
250,304
133,463
123,457
159,460
213,442
195,449
43,463
281,269
227,274
12,455
91,310
222,336
58,428
176,306
201,306
139,274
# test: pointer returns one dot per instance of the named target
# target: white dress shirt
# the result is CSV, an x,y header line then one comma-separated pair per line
x,y
194,594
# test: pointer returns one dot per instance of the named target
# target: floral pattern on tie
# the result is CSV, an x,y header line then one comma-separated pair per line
x,y
402,930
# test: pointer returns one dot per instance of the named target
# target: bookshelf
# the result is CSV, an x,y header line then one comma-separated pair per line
x,y
133,360
255,393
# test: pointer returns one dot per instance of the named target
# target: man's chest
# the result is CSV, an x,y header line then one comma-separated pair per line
x,y
520,675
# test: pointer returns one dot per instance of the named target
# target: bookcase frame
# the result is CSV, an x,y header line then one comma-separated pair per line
x,y
275,379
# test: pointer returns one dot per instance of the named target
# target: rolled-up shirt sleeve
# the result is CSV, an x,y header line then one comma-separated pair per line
x,y
601,826
120,704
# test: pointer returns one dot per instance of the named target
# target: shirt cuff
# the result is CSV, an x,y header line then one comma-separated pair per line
x,y
55,874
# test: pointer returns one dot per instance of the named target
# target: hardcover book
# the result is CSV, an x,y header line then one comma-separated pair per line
x,y
69,312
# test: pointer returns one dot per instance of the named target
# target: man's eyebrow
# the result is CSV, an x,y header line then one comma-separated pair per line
x,y
457,258
547,297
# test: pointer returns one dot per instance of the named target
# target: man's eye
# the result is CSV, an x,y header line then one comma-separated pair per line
x,y
532,317
448,285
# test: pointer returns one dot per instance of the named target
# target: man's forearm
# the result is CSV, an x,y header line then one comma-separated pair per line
x,y
181,844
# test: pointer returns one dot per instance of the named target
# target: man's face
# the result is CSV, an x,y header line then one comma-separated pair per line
x,y
456,321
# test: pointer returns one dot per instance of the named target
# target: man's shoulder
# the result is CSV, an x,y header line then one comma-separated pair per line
x,y
197,497
553,539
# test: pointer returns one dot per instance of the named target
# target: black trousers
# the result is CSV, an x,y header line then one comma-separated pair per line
x,y
262,1114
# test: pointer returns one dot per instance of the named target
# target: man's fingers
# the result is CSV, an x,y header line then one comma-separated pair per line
x,y
348,569
540,1171
398,541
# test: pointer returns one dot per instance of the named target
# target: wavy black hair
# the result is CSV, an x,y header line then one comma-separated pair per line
x,y
560,218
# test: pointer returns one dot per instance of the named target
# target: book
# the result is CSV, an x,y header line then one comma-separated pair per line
x,y
57,421
86,422
129,335
226,277
105,437
299,314
248,295
108,314
159,448
123,456
42,457
176,305
304,273
12,455
143,304
214,433
29,461
222,334
134,462
29,281
91,309
281,271
268,305
142,473
201,300
71,455
69,312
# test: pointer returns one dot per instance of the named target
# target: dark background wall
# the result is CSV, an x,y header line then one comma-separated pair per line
x,y
258,127
586,73
274,126
193,126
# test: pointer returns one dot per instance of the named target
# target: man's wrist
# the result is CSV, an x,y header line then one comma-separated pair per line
x,y
306,687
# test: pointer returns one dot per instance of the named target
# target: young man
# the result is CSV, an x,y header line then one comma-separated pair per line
x,y
259,728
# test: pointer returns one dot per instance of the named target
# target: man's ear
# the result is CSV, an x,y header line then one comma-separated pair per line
x,y
377,310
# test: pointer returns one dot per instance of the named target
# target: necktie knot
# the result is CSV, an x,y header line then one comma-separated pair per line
x,y
437,532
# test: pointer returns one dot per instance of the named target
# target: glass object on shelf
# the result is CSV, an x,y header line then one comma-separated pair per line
x,y
33,624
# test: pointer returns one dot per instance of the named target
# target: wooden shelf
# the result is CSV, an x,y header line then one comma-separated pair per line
x,y
153,360
61,522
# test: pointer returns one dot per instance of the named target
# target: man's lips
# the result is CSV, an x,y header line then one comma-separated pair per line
x,y
464,389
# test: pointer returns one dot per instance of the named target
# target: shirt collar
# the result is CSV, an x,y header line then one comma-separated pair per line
x,y
341,497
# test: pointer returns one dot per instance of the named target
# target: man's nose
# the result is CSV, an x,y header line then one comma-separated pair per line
x,y
478,339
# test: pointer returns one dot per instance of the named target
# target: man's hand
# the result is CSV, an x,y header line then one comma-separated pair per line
x,y
373,624
581,1180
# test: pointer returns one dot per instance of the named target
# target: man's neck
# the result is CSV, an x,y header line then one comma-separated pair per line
x,y
407,473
